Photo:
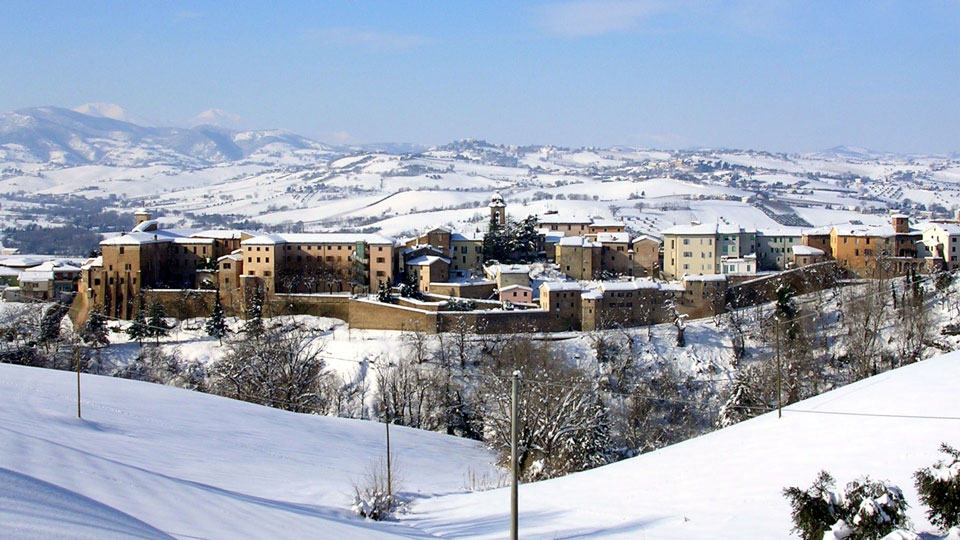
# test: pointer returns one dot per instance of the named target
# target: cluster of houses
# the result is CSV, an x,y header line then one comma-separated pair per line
x,y
591,270
25,278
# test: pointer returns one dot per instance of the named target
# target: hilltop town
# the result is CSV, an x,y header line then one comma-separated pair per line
x,y
540,273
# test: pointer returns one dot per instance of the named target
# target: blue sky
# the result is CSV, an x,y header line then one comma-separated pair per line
x,y
763,74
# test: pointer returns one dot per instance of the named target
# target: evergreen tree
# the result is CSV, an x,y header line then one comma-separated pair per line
x,y
740,405
786,311
157,326
138,328
94,331
254,324
939,489
383,294
523,240
50,323
494,243
217,325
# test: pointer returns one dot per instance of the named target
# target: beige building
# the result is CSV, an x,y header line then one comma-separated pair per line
x,y
699,249
578,257
941,243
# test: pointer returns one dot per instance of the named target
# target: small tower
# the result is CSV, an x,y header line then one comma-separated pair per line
x,y
901,224
142,215
498,209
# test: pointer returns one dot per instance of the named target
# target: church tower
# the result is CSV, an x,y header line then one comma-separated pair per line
x,y
498,210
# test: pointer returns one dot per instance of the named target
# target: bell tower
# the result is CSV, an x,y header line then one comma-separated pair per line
x,y
498,210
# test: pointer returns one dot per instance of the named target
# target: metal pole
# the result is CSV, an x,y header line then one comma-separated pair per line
x,y
514,466
779,409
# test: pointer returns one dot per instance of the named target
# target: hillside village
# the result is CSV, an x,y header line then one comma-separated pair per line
x,y
572,273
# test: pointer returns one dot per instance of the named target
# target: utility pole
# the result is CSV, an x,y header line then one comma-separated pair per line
x,y
77,356
514,466
779,408
389,475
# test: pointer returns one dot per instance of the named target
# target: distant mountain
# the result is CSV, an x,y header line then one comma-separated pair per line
x,y
107,110
854,153
95,134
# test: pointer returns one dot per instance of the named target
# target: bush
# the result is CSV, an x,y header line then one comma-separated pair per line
x,y
374,497
939,488
866,510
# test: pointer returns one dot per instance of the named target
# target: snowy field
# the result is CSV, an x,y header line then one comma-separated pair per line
x,y
149,461
728,484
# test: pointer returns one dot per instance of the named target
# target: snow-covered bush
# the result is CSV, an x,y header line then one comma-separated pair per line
x,y
375,495
866,510
939,489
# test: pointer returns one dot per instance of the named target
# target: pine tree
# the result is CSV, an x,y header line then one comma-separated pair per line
x,y
217,325
138,328
50,323
94,331
157,326
741,404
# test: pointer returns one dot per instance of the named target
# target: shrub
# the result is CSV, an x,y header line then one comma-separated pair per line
x,y
939,488
374,496
867,509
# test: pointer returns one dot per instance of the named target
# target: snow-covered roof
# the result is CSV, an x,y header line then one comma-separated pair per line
x,y
634,285
222,234
705,277
949,228
6,271
591,295
613,237
316,238
553,286
551,237
45,271
693,229
148,225
92,263
509,269
512,287
466,237
139,238
193,240
606,223
645,238
575,241
784,231
232,257
555,219
22,262
819,231
806,250
880,231
427,260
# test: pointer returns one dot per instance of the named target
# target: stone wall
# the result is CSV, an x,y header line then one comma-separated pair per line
x,y
802,280
373,315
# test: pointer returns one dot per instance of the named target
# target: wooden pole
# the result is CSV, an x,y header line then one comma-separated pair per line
x,y
514,466
389,475
779,404
77,355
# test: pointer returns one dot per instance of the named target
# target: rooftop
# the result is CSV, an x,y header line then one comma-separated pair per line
x,y
316,238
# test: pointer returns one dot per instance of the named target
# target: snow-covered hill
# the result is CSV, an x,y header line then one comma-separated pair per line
x,y
100,134
150,461
210,176
727,484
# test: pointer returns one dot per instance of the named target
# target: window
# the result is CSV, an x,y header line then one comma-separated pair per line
x,y
96,281
126,266
381,259
267,259
266,273
249,259
121,250
381,273
686,241
226,266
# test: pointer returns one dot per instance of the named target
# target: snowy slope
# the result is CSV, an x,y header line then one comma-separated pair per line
x,y
728,484
150,461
